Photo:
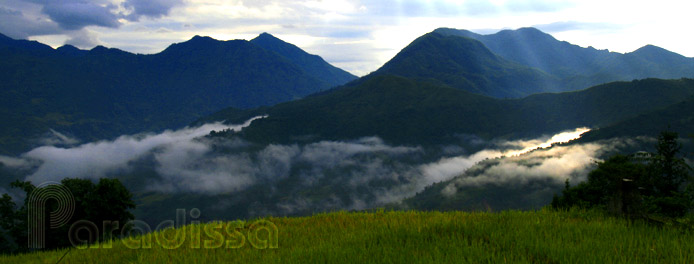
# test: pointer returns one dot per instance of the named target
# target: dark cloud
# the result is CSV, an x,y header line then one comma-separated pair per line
x,y
76,14
70,16
16,25
150,8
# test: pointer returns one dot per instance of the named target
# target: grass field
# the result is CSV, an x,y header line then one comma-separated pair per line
x,y
401,237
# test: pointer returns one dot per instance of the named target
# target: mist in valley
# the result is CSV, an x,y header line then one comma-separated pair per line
x,y
232,177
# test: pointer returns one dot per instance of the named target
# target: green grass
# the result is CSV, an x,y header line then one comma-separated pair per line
x,y
418,237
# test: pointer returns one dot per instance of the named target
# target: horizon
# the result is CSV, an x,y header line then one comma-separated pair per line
x,y
353,35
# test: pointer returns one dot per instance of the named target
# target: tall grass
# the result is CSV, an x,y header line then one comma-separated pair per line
x,y
413,237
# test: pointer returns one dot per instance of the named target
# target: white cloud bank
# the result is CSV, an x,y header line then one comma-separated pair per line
x,y
371,172
97,159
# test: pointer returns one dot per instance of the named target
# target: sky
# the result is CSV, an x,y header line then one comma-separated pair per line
x,y
358,36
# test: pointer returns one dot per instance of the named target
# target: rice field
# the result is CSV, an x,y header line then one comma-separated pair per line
x,y
542,236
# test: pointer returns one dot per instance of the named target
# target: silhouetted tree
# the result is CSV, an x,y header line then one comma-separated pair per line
x,y
657,183
613,186
104,202
7,222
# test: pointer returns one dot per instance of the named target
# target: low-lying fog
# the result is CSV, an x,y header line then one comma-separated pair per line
x,y
370,171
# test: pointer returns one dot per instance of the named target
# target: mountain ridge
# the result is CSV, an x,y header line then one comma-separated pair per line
x,y
106,92
313,64
580,67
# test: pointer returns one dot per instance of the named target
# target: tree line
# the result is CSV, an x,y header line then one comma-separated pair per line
x,y
640,185
101,211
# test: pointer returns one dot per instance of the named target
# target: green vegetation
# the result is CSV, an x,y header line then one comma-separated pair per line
x,y
677,118
544,236
107,201
404,111
639,185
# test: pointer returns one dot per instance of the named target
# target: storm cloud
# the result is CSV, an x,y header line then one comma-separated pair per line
x,y
149,8
77,14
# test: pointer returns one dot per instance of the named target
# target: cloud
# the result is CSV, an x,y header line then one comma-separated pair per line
x,y
77,14
556,164
368,171
562,26
149,8
356,174
538,5
16,25
14,163
53,138
191,167
83,39
103,158
64,17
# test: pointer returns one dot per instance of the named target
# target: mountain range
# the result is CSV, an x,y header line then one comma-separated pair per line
x,y
103,93
330,140
577,67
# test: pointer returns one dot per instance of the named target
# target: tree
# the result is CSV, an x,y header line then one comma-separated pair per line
x,y
613,186
669,174
7,222
660,183
106,201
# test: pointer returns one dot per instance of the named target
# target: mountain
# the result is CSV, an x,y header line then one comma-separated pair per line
x,y
466,64
412,112
103,93
580,67
312,64
7,43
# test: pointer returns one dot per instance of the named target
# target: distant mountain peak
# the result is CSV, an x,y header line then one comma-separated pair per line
x,y
651,48
310,63
661,56
99,48
68,49
112,51
266,35
201,38
465,63
270,39
531,30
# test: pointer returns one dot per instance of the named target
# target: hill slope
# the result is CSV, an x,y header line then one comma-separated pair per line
x,y
677,117
468,65
403,111
104,93
311,64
